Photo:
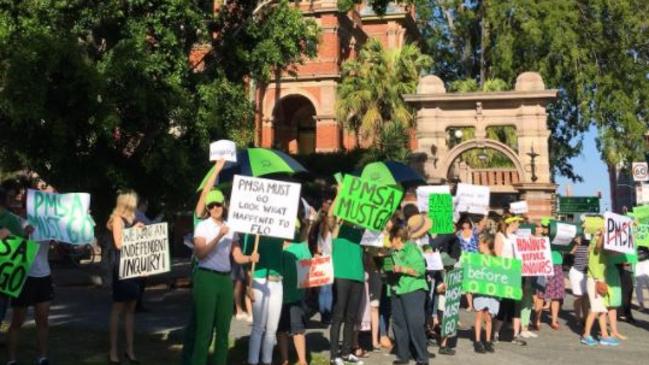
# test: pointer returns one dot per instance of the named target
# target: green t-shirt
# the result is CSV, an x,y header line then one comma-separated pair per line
x,y
347,254
410,256
11,222
596,263
293,253
557,258
270,255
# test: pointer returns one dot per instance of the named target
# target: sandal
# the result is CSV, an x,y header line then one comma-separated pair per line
x,y
360,353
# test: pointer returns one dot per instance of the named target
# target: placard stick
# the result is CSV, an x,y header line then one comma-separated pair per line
x,y
252,270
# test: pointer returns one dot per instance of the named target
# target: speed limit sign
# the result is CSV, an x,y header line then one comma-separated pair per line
x,y
640,171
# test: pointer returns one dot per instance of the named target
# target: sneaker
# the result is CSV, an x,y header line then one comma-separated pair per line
x,y
588,341
489,347
249,318
479,347
609,341
337,361
517,341
241,316
528,334
352,359
496,337
446,351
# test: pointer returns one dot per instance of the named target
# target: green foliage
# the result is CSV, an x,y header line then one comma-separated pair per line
x,y
97,95
370,95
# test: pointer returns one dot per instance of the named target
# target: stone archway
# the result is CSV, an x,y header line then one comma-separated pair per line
x,y
294,124
472,144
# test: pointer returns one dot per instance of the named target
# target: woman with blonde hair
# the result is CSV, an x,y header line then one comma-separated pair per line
x,y
125,291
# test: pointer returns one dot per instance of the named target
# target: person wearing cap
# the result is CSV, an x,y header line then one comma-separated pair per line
x,y
212,290
509,308
409,296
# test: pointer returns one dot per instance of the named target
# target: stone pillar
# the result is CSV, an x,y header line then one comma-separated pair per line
x,y
328,132
267,133
540,197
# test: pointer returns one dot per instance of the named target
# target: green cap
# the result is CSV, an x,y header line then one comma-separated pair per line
x,y
214,196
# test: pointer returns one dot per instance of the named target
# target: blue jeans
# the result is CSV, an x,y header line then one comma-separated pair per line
x,y
325,298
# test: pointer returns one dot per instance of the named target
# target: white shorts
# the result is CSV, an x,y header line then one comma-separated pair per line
x,y
596,301
642,269
577,282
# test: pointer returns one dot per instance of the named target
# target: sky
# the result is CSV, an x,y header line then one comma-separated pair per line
x,y
589,166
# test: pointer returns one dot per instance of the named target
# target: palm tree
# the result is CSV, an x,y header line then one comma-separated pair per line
x,y
370,96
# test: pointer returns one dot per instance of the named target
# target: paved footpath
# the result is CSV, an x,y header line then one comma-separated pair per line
x,y
87,308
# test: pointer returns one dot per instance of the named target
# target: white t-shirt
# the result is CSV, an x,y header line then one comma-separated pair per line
x,y
325,244
41,266
509,240
219,258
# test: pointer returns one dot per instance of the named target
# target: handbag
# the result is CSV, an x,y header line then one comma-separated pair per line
x,y
601,288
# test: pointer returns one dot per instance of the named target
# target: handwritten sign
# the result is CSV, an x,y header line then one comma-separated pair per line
x,y
433,261
440,212
60,217
16,258
641,213
472,198
223,150
535,254
145,251
618,235
263,206
453,296
366,203
315,272
519,207
641,235
373,239
423,193
564,234
491,275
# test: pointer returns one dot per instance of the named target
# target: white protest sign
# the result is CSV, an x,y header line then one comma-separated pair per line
x,y
372,238
565,234
315,272
472,198
535,254
524,232
145,251
223,149
433,261
640,171
423,193
618,233
263,206
519,207
60,217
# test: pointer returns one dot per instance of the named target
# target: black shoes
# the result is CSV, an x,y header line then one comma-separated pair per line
x,y
489,347
446,351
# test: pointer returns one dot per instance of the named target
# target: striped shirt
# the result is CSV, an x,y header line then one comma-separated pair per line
x,y
581,258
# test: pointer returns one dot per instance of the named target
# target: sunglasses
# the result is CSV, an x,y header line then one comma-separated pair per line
x,y
212,205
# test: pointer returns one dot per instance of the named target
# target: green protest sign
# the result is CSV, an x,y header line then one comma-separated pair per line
x,y
16,257
453,295
366,203
440,211
491,275
641,235
60,217
641,213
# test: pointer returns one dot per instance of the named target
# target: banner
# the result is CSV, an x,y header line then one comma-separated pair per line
x,y
423,192
453,281
145,251
366,203
491,275
564,234
593,224
618,235
60,217
519,207
440,212
223,149
641,235
265,207
535,254
16,258
315,272
472,198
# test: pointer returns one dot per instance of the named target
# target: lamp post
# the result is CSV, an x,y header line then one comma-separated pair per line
x,y
533,155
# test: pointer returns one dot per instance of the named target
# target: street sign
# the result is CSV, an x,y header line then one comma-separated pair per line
x,y
578,204
640,172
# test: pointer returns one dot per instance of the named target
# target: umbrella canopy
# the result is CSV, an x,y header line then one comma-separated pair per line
x,y
391,173
257,162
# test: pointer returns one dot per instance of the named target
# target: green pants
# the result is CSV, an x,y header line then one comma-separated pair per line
x,y
526,302
212,312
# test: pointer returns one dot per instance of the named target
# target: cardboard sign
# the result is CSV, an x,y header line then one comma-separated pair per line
x,y
491,275
535,254
366,203
618,235
145,251
640,171
223,150
60,217
265,207
315,272
423,192
519,207
373,239
593,224
472,198
440,212
452,297
16,258
565,234
433,261
641,235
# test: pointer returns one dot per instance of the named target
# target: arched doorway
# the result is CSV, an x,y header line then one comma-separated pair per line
x,y
294,124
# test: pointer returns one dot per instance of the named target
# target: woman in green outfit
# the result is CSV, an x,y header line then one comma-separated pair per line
x,y
212,288
409,298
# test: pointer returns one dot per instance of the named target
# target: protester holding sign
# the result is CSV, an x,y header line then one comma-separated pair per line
x,y
486,306
468,237
127,291
555,287
577,277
